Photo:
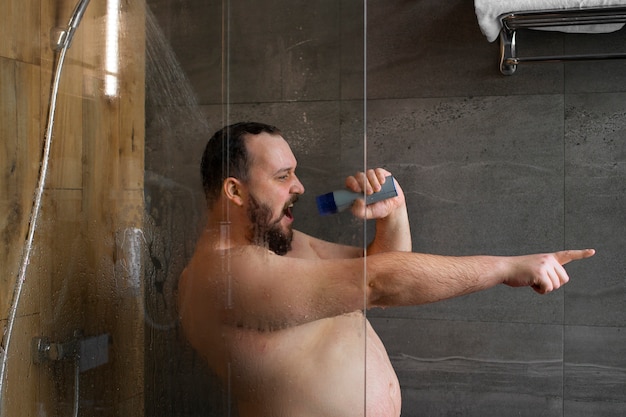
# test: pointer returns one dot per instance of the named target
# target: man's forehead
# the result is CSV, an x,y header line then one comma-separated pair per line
x,y
269,147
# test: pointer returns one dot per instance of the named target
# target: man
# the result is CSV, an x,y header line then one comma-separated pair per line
x,y
278,314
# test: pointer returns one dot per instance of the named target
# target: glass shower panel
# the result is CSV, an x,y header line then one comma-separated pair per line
x,y
296,65
74,344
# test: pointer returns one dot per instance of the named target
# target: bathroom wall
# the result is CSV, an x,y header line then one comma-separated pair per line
x,y
276,80
505,165
490,164
79,277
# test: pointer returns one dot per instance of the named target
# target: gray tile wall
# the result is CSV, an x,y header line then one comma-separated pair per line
x,y
490,164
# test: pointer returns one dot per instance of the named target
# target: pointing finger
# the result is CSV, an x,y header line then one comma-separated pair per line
x,y
566,256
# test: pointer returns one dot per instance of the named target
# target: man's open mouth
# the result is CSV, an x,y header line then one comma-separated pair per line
x,y
288,211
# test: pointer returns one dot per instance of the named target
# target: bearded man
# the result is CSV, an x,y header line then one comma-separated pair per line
x,y
278,314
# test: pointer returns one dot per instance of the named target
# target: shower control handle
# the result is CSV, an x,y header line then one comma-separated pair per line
x,y
89,352
42,350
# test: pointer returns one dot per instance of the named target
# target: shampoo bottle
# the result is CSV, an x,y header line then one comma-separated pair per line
x,y
339,200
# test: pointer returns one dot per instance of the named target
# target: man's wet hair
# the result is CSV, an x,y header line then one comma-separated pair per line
x,y
226,155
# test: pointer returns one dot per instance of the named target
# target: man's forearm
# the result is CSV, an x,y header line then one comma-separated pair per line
x,y
393,233
401,279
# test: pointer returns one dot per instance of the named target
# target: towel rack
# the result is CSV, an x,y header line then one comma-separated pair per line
x,y
513,21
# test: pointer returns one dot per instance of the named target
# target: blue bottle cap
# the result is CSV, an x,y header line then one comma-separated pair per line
x,y
326,204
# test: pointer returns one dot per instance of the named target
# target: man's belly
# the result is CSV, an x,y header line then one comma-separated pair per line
x,y
332,367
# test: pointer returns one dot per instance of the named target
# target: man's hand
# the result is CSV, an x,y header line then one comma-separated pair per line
x,y
371,182
543,272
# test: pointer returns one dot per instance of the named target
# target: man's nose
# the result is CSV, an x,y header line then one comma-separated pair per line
x,y
297,187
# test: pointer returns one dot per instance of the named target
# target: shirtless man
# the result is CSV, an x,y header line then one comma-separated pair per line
x,y
278,314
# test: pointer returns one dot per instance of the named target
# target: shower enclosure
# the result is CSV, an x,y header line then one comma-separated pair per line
x,y
88,306
101,202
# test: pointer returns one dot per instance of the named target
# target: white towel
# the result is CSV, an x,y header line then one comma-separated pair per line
x,y
487,12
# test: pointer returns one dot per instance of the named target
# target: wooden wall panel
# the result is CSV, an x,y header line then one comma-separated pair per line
x,y
22,394
19,30
94,193
67,147
20,144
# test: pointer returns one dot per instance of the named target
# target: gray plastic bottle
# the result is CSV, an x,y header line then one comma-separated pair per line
x,y
339,200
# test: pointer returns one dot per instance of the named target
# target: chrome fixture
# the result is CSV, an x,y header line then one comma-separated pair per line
x,y
62,38
89,352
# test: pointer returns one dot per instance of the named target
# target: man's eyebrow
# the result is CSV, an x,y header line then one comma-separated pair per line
x,y
284,170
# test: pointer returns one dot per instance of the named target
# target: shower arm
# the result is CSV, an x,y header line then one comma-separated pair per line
x,y
62,38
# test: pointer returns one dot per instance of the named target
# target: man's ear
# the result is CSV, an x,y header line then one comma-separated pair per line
x,y
233,190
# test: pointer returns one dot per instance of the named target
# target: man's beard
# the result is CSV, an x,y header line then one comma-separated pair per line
x,y
265,232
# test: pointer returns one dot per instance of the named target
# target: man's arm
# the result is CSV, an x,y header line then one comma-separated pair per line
x,y
393,231
271,291
398,280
